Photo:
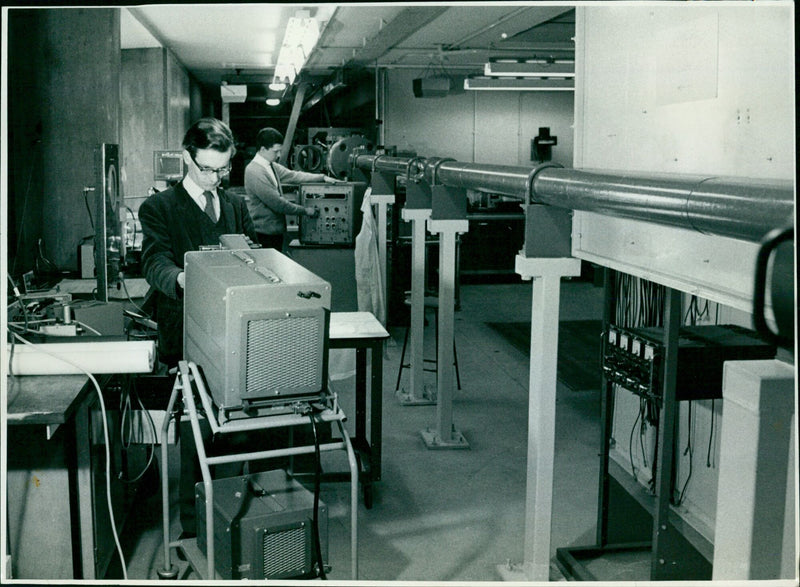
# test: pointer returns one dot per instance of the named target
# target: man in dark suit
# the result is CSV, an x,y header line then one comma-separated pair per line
x,y
193,213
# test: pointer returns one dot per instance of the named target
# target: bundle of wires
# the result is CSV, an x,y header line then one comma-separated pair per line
x,y
639,302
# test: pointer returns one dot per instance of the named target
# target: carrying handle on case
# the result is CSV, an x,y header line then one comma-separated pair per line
x,y
769,245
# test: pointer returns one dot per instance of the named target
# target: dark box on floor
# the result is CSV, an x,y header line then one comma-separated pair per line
x,y
262,527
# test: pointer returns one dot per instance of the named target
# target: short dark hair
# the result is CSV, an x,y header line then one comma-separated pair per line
x,y
268,137
209,133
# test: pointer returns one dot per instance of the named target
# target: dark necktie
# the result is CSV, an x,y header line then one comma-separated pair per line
x,y
209,209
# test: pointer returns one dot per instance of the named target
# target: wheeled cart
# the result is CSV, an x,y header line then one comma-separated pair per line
x,y
189,380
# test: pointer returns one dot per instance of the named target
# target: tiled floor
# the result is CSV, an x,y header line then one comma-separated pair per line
x,y
450,515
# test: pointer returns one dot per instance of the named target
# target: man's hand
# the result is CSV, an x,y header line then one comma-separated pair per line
x,y
182,279
329,179
312,212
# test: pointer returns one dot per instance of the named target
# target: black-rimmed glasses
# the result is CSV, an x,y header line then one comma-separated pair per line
x,y
220,171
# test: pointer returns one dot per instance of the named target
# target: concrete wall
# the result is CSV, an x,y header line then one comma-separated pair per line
x,y
480,127
156,101
64,79
143,119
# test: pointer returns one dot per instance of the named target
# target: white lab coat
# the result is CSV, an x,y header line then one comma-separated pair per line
x,y
369,280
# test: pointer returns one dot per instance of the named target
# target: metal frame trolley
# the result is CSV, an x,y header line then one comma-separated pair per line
x,y
188,374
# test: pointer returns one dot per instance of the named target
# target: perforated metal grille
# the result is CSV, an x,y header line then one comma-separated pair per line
x,y
282,355
285,553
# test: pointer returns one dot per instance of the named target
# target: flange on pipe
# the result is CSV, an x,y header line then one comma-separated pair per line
x,y
432,165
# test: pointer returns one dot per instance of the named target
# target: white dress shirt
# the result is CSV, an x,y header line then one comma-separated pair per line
x,y
196,193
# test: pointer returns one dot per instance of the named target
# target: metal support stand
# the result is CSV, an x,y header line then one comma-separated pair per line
x,y
666,558
187,374
628,521
546,275
446,436
417,395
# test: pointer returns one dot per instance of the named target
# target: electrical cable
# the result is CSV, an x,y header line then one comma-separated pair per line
x,y
11,357
89,328
630,446
127,295
18,295
88,209
642,429
317,479
690,451
25,199
133,218
710,436
107,445
689,316
25,317
126,415
51,267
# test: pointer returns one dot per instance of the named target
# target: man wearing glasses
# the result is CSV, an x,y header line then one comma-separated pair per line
x,y
193,213
263,177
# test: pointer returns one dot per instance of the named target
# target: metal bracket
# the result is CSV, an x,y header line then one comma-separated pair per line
x,y
414,162
532,176
433,168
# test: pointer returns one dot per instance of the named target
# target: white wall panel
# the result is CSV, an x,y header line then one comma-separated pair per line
x,y
483,127
688,90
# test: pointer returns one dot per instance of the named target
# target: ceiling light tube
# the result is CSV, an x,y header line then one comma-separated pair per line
x,y
302,34
530,68
519,84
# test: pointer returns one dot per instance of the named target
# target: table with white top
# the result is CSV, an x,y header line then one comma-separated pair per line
x,y
363,332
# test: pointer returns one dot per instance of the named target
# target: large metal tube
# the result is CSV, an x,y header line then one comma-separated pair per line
x,y
745,209
500,179
384,163
737,208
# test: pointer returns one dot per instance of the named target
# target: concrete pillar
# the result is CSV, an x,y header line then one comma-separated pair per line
x,y
757,478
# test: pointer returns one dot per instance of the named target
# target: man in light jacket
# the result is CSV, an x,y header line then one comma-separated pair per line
x,y
263,177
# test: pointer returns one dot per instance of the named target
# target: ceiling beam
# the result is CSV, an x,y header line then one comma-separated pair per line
x,y
148,26
514,23
398,30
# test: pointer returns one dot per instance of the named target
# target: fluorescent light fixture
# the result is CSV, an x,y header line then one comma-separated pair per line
x,y
530,68
519,84
302,33
273,101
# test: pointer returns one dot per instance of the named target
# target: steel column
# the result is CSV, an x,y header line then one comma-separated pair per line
x,y
417,394
446,435
546,275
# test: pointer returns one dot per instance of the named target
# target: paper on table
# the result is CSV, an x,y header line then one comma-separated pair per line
x,y
94,357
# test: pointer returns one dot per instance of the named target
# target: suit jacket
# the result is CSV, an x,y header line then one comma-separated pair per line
x,y
266,203
172,224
